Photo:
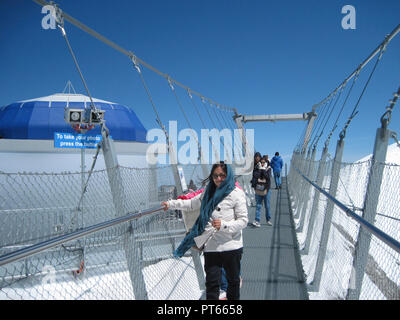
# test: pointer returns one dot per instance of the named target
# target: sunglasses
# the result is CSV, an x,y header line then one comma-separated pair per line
x,y
216,176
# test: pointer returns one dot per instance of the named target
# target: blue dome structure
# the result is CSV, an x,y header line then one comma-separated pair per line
x,y
39,118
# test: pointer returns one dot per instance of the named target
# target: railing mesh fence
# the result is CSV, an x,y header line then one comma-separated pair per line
x,y
382,273
115,263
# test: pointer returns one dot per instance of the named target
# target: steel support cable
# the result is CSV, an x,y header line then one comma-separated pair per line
x,y
196,109
64,34
184,115
113,45
322,130
382,45
201,118
216,116
78,207
181,107
158,119
318,123
209,115
332,109
341,110
208,112
328,115
387,116
221,125
344,187
317,135
211,118
229,128
76,64
354,112
299,143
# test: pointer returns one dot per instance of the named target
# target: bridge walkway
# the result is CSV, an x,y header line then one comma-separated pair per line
x,y
271,263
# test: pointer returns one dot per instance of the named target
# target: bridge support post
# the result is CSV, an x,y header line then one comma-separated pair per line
x,y
320,179
152,189
369,212
195,255
307,189
335,173
294,183
301,187
130,246
299,182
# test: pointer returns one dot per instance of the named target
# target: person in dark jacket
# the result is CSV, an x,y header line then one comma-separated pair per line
x,y
277,164
261,182
257,158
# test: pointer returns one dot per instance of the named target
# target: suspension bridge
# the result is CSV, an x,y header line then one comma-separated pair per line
x,y
335,224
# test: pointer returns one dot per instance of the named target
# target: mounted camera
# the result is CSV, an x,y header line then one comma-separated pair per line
x,y
94,115
73,116
83,116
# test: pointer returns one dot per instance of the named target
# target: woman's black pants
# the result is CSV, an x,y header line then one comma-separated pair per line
x,y
230,261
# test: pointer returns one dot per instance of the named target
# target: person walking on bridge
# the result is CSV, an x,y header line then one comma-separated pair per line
x,y
261,183
277,164
218,229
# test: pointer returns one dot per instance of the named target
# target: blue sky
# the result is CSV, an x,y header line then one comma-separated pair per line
x,y
262,57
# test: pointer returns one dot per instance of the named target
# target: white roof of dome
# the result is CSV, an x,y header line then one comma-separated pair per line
x,y
67,97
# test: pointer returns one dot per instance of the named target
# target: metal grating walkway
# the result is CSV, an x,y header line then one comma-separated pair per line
x,y
271,264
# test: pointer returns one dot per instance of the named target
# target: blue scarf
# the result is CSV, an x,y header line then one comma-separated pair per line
x,y
212,197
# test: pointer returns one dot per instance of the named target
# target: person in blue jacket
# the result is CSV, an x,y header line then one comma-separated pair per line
x,y
277,164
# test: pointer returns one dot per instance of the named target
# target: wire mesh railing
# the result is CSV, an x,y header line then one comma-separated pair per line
x,y
381,277
115,262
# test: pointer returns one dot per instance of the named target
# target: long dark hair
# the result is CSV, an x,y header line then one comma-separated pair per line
x,y
210,179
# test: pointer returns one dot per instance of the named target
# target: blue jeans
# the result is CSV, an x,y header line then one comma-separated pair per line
x,y
259,201
277,178
224,281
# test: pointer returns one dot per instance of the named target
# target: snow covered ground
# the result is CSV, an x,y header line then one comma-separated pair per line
x,y
169,279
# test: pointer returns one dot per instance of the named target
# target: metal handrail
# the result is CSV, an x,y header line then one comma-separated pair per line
x,y
42,246
391,242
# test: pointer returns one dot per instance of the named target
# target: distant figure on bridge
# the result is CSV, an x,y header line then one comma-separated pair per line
x,y
261,182
217,230
257,158
267,160
277,164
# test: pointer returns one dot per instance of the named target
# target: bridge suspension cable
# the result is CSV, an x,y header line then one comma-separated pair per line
x,y
138,63
330,113
320,120
355,112
379,50
341,110
129,54
382,45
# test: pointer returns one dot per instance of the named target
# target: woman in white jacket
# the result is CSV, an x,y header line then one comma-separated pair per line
x,y
223,215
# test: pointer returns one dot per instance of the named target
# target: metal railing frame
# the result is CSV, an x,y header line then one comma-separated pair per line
x,y
391,242
51,243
